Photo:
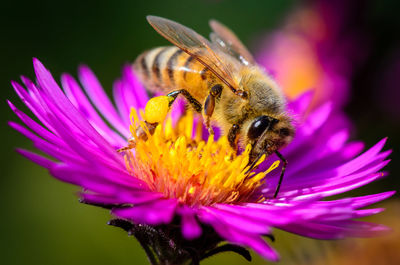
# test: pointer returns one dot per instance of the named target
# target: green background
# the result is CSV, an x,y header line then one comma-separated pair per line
x,y
41,219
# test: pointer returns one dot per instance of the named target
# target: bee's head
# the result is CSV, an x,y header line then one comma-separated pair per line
x,y
267,134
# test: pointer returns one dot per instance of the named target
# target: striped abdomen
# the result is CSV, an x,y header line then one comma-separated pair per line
x,y
169,68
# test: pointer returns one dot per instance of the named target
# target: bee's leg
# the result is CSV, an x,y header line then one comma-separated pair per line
x,y
284,161
233,136
209,105
140,134
151,126
131,145
192,101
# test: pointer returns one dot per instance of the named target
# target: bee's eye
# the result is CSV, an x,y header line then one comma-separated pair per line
x,y
259,125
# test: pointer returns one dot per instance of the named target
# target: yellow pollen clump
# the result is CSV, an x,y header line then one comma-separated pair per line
x,y
157,109
194,171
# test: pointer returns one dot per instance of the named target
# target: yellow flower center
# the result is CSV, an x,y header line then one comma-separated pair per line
x,y
194,171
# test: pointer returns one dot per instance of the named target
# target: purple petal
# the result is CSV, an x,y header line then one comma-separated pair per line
x,y
190,227
133,198
154,213
32,103
270,216
34,126
81,102
238,237
53,150
367,200
120,99
366,212
35,158
300,105
60,104
360,161
238,222
316,119
101,100
135,87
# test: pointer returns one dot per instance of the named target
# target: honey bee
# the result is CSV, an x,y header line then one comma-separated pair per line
x,y
221,80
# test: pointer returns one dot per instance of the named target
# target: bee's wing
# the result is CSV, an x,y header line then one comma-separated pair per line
x,y
228,42
195,45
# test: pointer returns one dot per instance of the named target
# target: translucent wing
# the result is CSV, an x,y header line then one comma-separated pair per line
x,y
226,40
197,46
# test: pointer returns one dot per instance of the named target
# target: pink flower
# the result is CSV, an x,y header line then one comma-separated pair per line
x,y
316,50
80,130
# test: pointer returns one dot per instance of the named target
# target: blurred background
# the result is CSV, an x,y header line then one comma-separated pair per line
x,y
355,42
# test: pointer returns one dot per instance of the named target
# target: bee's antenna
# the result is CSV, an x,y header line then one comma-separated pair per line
x,y
284,161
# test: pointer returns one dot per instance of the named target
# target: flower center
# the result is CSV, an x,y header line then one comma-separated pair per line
x,y
194,171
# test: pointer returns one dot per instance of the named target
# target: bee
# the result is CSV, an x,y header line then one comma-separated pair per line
x,y
221,80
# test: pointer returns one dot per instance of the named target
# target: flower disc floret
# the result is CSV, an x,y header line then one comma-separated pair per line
x,y
194,171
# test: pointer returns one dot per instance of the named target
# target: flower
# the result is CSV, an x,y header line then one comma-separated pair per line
x,y
317,49
178,192
195,172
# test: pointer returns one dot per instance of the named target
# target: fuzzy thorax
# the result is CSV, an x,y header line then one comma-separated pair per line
x,y
196,172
